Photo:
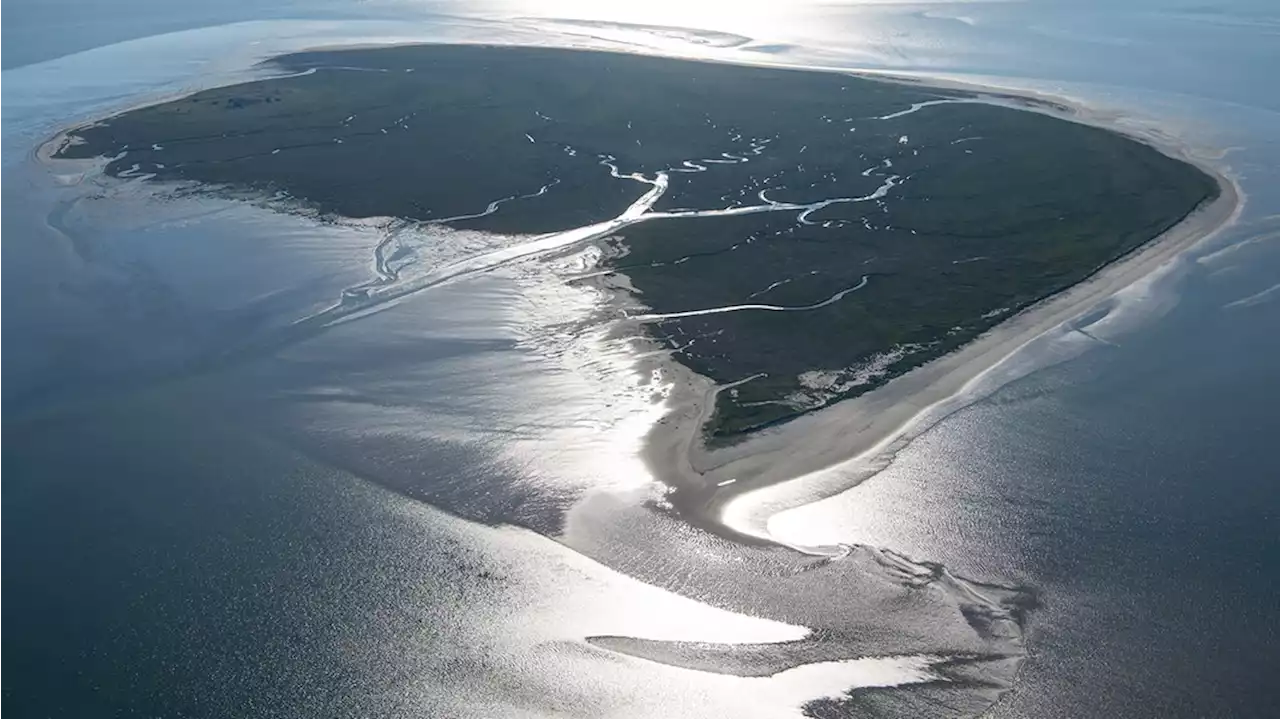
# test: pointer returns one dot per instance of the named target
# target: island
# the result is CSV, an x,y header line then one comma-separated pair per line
x,y
802,268
796,237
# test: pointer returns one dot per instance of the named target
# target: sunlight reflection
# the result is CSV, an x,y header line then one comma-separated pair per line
x,y
709,14
680,27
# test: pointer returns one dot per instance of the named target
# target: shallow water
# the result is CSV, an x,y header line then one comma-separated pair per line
x,y
207,548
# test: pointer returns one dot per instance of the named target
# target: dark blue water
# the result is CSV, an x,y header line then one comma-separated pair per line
x,y
1135,488
173,552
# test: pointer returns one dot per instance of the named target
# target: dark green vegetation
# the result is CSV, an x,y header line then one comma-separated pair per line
x,y
991,208
967,240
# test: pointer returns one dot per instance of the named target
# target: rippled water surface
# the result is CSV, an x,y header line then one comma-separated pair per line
x,y
436,509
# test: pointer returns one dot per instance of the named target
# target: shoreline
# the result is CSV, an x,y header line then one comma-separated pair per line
x,y
704,481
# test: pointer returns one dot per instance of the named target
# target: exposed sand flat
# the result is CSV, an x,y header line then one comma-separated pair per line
x,y
866,426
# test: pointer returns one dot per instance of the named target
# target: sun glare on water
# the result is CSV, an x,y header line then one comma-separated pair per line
x,y
749,17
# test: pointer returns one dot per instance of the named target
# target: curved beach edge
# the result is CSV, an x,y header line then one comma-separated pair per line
x,y
704,480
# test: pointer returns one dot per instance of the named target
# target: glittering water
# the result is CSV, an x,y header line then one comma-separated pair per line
x,y
208,547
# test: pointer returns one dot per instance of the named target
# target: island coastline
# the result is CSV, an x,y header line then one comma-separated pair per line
x,y
705,480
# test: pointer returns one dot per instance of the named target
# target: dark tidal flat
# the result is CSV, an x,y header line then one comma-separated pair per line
x,y
952,217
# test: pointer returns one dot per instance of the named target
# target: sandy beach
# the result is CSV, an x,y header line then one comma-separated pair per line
x,y
866,428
